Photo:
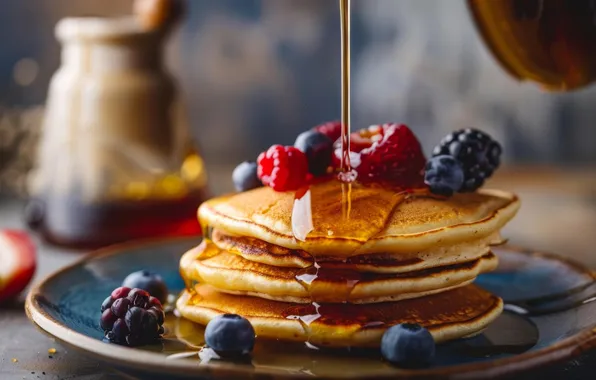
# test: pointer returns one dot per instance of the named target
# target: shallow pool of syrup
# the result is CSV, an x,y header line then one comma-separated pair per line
x,y
510,334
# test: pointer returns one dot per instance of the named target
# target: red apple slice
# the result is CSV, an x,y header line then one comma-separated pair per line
x,y
17,263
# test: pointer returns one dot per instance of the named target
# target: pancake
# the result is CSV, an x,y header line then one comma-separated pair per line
x,y
380,220
458,313
270,254
232,273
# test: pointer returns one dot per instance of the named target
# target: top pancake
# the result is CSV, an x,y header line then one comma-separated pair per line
x,y
375,220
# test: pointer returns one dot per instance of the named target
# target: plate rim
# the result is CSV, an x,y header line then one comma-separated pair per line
x,y
125,357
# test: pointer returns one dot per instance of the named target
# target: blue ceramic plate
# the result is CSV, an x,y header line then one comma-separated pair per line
x,y
549,317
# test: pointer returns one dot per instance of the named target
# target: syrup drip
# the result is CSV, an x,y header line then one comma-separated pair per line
x,y
346,200
347,174
302,223
316,278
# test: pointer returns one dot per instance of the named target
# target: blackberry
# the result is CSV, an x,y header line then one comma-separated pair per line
x,y
477,152
132,317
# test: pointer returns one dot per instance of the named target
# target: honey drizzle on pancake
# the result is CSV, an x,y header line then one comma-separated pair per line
x,y
317,274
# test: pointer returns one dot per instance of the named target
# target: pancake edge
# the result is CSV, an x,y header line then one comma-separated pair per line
x,y
351,247
369,337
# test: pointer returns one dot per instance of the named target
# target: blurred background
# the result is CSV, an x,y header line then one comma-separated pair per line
x,y
258,72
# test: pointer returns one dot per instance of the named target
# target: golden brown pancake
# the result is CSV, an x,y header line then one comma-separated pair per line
x,y
380,220
461,312
266,253
232,273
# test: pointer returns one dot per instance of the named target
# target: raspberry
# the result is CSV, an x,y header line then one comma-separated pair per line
x,y
365,138
283,168
331,129
394,156
359,141
132,317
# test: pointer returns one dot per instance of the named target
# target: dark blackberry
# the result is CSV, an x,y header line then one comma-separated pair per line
x,y
133,317
477,152
138,297
120,307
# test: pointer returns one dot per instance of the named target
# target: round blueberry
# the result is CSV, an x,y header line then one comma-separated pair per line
x,y
408,345
318,149
245,176
230,335
150,282
444,175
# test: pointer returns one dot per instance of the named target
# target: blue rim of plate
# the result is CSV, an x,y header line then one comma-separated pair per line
x,y
145,361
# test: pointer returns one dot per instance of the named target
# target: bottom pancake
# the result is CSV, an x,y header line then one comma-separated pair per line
x,y
457,313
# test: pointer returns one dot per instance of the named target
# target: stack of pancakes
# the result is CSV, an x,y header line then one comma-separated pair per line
x,y
370,258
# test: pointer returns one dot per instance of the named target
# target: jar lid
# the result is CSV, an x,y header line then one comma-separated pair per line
x,y
100,28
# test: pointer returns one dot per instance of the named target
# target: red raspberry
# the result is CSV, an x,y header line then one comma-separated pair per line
x,y
363,138
284,168
331,129
395,157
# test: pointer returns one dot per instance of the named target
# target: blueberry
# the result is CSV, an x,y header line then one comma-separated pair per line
x,y
150,282
230,335
444,175
408,345
318,149
245,176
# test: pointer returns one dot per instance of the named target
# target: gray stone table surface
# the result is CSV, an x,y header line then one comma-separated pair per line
x,y
569,196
